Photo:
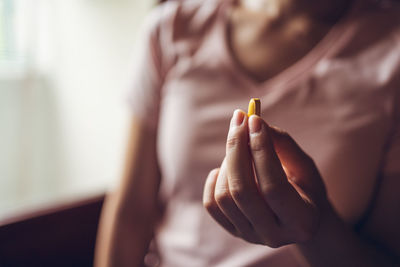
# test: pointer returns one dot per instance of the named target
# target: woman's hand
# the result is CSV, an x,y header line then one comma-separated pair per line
x,y
267,190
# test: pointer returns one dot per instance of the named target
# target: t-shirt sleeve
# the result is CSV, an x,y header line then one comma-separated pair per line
x,y
146,74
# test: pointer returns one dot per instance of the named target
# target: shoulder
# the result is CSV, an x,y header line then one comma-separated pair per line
x,y
374,38
381,20
184,19
176,28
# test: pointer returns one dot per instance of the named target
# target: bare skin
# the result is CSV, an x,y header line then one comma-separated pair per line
x,y
286,202
265,43
320,235
130,213
319,229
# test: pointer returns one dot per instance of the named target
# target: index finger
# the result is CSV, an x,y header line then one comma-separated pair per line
x,y
281,196
238,158
241,179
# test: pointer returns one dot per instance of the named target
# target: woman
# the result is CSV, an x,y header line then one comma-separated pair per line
x,y
327,73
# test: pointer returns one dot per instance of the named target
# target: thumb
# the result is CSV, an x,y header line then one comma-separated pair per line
x,y
299,167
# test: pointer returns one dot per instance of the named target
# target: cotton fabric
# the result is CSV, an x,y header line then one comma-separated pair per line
x,y
340,102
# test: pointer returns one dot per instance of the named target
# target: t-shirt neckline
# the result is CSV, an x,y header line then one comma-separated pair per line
x,y
336,38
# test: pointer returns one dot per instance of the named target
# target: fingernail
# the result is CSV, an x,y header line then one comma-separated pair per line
x,y
255,124
238,118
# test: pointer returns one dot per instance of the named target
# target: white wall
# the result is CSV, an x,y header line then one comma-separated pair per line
x,y
92,75
67,123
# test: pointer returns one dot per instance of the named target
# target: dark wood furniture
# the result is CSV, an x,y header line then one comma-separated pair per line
x,y
63,235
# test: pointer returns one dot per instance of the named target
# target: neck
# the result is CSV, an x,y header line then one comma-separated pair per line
x,y
273,8
326,11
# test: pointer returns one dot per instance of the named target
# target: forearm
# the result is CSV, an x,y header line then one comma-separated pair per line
x,y
123,237
337,244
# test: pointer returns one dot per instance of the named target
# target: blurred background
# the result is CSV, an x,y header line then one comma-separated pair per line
x,y
64,71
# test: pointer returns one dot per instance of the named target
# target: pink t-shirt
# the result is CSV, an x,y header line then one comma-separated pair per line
x,y
340,103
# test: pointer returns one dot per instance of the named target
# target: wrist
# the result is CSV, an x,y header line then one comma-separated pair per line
x,y
329,224
326,246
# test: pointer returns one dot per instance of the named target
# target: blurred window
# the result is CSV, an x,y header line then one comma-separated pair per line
x,y
7,31
64,67
12,36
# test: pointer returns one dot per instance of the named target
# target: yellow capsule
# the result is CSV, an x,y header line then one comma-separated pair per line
x,y
254,107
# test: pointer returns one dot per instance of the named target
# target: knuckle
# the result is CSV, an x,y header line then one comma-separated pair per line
x,y
209,204
233,141
213,172
270,238
258,144
239,193
274,242
272,191
234,231
223,198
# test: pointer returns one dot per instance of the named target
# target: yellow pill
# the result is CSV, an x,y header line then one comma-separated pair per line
x,y
254,107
